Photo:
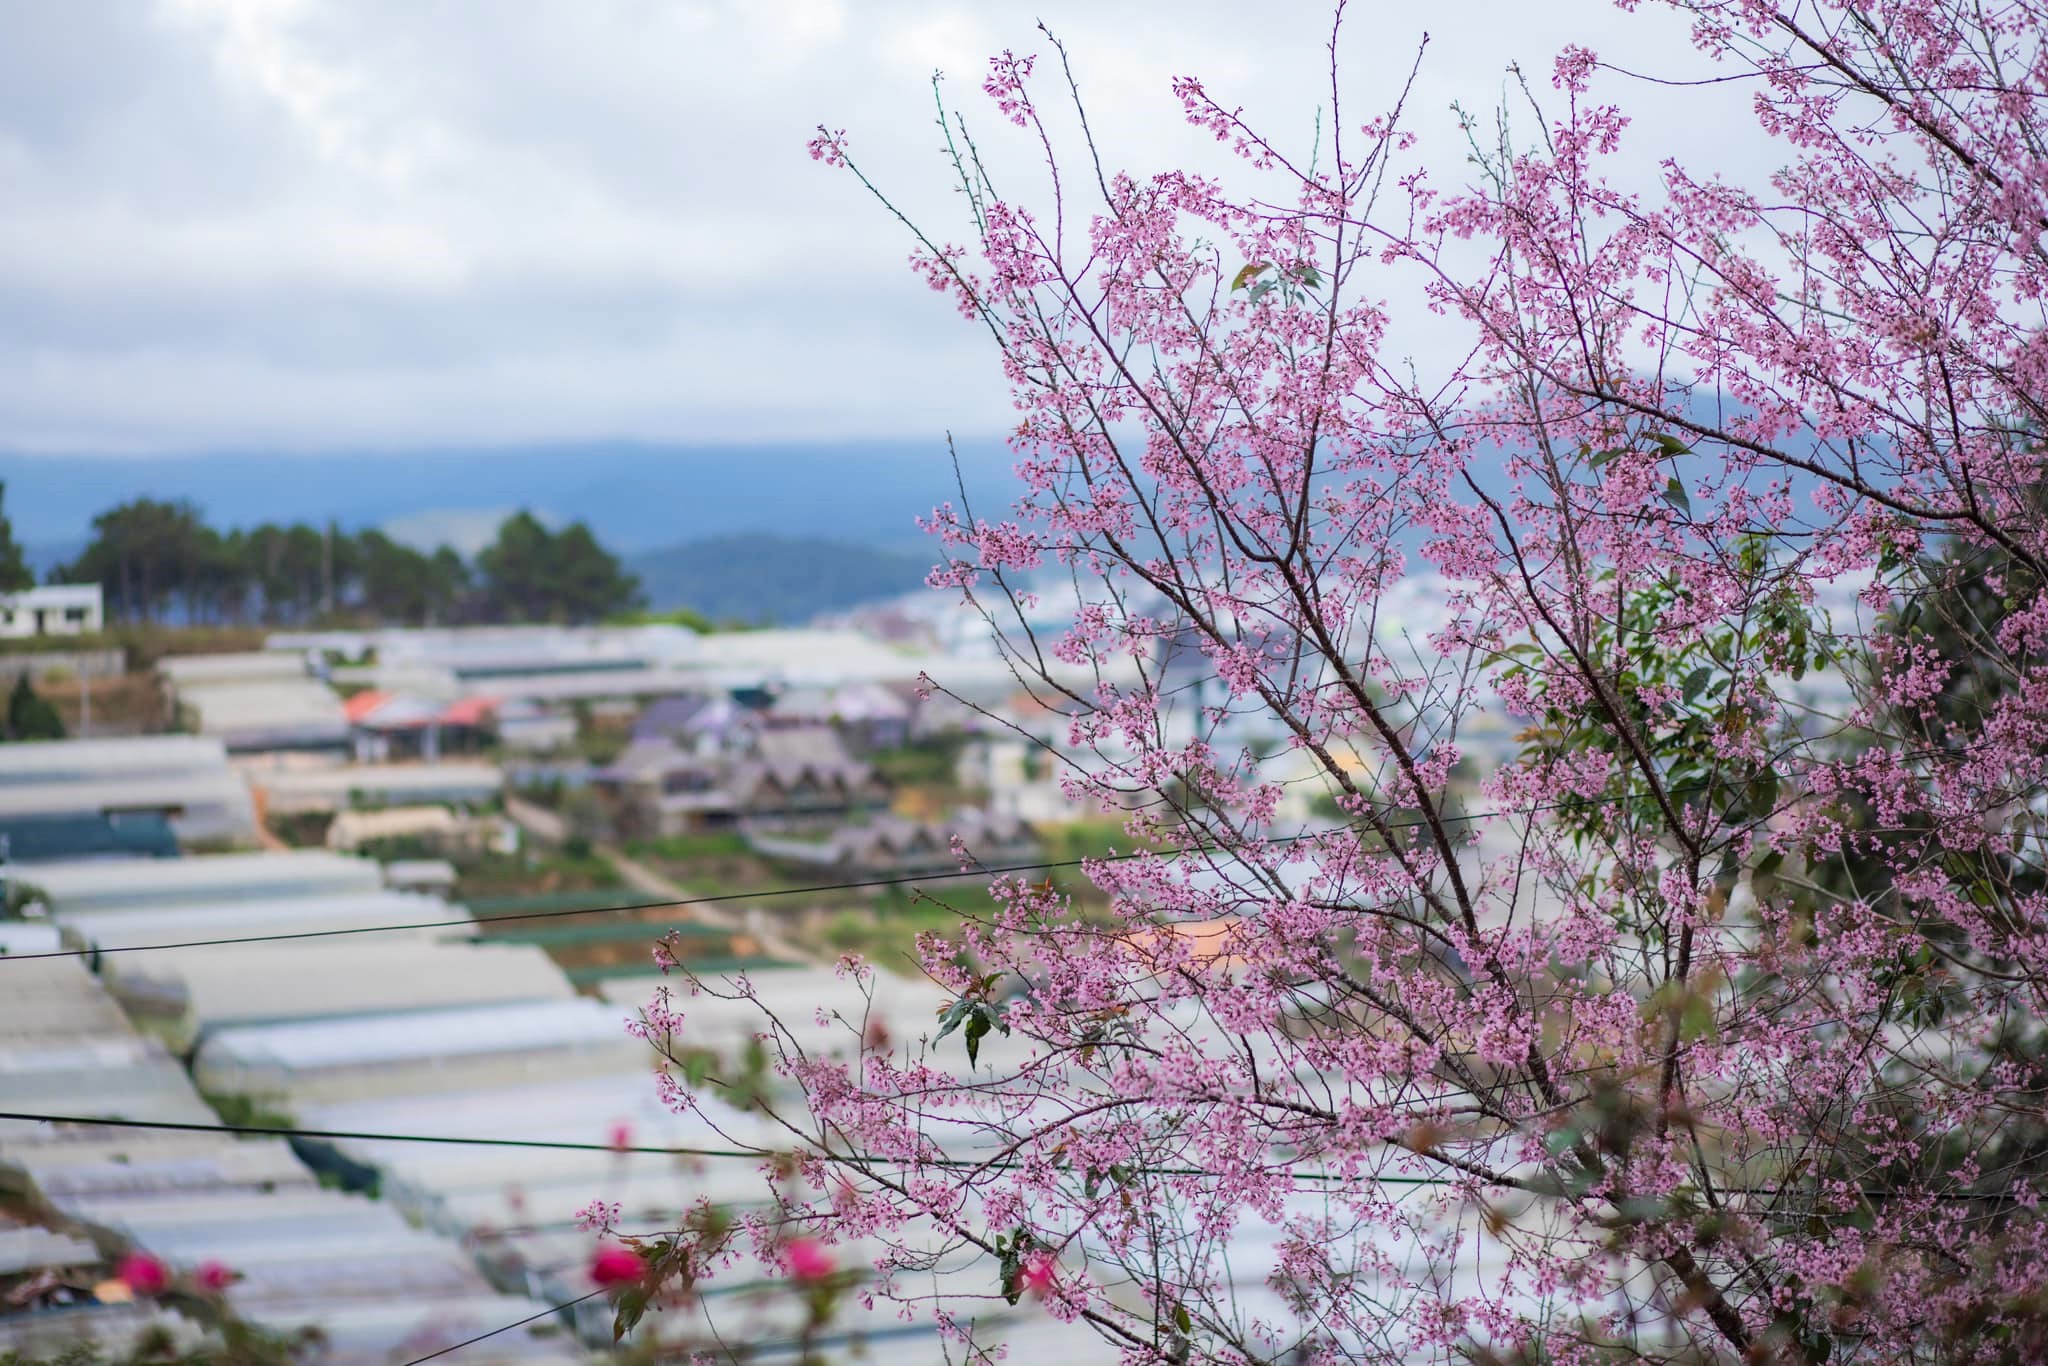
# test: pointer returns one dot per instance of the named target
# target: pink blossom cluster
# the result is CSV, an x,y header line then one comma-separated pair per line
x,y
1664,971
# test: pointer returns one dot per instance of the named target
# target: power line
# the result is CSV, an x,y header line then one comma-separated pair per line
x,y
902,880
281,1131
551,1310
472,922
755,1154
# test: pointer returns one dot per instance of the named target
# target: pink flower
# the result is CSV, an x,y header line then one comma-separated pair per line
x,y
621,1136
807,1259
214,1277
143,1274
1036,1274
615,1265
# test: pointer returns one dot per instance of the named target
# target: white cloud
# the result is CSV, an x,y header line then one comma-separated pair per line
x,y
319,223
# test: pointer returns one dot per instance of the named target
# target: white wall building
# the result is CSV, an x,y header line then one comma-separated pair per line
x,y
55,609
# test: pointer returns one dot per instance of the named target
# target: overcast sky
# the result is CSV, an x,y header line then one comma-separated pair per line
x,y
326,224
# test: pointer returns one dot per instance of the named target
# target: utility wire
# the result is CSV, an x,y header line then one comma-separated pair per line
x,y
754,1154
763,893
545,1313
280,1131
758,1155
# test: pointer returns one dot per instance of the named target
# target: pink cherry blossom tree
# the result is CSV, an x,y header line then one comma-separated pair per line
x,y
1663,975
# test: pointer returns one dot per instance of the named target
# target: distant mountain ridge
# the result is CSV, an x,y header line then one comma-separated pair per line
x,y
637,498
761,577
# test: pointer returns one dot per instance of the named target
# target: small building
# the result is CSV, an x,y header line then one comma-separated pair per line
x,y
54,609
397,725
527,727
890,846
342,787
428,829
431,876
706,722
800,778
870,715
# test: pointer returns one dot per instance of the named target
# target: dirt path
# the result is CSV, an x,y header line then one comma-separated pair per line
x,y
736,916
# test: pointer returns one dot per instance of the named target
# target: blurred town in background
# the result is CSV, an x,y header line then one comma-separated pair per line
x,y
278,855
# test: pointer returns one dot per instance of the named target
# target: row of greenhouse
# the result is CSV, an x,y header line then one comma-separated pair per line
x,y
302,1255
301,989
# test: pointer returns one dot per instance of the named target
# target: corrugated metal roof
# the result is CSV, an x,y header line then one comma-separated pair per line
x,y
24,1247
252,664
205,803
344,979
275,874
349,1266
362,704
131,834
267,712
43,761
453,781
443,1034
25,936
177,922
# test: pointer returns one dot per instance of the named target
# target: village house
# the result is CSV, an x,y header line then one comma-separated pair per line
x,y
890,846
54,609
795,778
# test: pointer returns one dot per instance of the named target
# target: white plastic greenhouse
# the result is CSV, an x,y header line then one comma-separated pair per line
x,y
318,914
96,884
245,984
408,1054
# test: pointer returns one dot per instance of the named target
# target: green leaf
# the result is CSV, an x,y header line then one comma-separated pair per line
x,y
1182,1319
632,1305
1674,494
950,1020
1670,444
1697,680
978,1021
1763,792
1249,273
1010,1275
1639,1208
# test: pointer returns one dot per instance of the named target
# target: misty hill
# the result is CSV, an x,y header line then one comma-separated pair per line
x,y
782,579
635,497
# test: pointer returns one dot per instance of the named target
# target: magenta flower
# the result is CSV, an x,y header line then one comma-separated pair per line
x,y
214,1277
613,1265
143,1274
807,1259
1036,1275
